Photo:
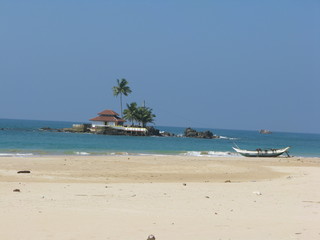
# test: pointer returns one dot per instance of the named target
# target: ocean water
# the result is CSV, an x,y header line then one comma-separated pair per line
x,y
23,138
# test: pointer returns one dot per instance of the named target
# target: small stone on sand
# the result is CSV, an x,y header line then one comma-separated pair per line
x,y
151,237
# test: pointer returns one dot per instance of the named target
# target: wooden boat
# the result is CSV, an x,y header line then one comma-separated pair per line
x,y
261,152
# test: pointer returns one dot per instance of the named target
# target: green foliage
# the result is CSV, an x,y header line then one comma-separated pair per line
x,y
142,115
130,112
121,89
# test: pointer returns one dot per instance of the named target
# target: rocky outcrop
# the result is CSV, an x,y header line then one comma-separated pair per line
x,y
167,134
48,129
189,132
153,131
265,131
78,128
156,132
108,131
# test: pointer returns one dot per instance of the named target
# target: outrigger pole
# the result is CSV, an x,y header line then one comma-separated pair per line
x,y
287,153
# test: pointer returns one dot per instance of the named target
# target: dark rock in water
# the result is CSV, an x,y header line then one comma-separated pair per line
x,y
78,128
153,131
189,132
166,134
109,130
265,131
206,134
48,129
45,129
24,171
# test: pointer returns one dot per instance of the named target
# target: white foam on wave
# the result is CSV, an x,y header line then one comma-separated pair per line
x,y
210,154
222,154
15,154
192,153
228,138
82,153
119,153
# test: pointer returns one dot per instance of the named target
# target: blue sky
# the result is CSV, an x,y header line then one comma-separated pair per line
x,y
213,64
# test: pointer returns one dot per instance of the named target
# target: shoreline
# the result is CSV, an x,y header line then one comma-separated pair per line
x,y
209,154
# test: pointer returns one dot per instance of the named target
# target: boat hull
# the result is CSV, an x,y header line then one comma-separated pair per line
x,y
262,153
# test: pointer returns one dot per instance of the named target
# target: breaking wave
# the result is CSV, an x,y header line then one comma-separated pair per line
x,y
210,154
228,138
82,153
16,154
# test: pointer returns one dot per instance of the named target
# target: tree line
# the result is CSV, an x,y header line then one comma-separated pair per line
x,y
133,113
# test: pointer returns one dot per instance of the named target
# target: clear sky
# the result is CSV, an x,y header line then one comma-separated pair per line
x,y
216,64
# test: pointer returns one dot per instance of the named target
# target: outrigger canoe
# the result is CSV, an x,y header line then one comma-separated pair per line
x,y
261,152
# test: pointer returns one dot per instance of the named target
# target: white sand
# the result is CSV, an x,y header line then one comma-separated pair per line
x,y
171,197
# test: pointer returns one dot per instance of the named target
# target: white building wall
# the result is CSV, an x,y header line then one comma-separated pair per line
x,y
97,124
103,124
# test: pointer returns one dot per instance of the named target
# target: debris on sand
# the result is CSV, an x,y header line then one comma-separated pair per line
x,y
257,193
24,171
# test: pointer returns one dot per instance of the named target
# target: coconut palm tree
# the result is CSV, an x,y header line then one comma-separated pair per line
x,y
144,115
130,112
121,89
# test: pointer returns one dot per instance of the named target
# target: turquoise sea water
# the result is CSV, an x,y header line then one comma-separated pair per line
x,y
23,137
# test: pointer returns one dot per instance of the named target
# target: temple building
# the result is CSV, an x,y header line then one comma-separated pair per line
x,y
107,118
113,124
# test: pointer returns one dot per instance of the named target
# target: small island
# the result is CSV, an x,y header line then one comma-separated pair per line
x,y
265,131
110,128
109,122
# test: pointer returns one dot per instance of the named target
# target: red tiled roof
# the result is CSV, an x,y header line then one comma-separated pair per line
x,y
107,119
108,112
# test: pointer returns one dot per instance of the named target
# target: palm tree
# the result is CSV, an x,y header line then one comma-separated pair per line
x,y
130,112
121,89
144,115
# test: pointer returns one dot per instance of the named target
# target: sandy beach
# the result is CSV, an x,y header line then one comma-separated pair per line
x,y
171,197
